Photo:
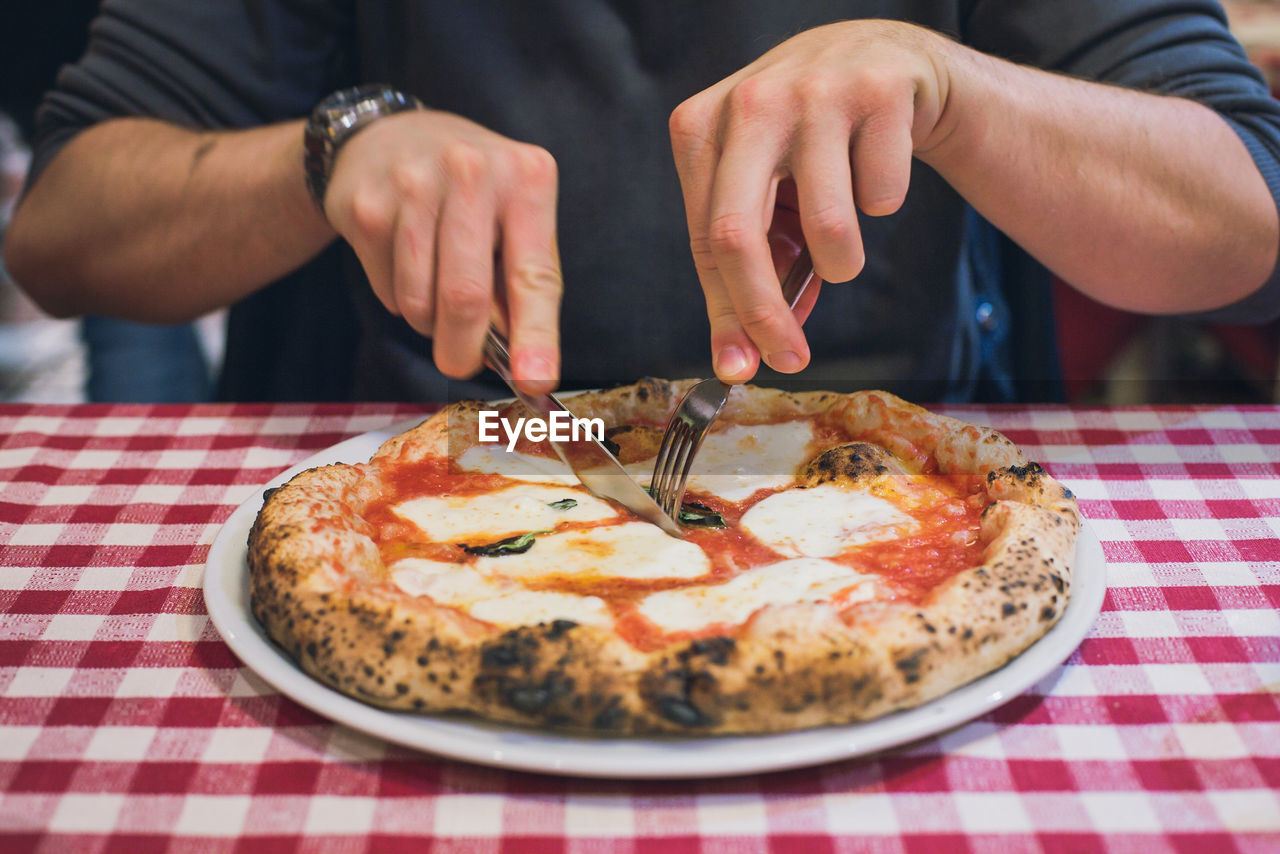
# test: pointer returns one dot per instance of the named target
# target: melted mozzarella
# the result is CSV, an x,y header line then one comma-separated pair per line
x,y
496,459
493,515
736,462
630,550
494,600
823,521
732,603
733,463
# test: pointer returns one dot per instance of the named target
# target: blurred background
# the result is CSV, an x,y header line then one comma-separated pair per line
x,y
89,359
1108,356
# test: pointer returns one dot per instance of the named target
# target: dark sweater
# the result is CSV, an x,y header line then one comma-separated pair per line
x,y
594,82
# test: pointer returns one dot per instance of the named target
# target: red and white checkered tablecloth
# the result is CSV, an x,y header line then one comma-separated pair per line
x,y
127,726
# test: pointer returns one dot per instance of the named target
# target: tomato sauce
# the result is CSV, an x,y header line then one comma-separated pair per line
x,y
943,542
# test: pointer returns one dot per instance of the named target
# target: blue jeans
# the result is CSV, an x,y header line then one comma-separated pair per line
x,y
144,363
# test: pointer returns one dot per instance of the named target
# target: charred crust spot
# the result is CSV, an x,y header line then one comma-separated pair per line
x,y
680,711
610,718
716,650
392,642
1048,612
532,697
500,655
1008,609
909,665
853,463
557,628
1031,470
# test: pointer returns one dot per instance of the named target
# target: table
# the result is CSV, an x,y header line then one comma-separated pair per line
x,y
127,726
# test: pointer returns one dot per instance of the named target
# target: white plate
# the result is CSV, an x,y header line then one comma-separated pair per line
x,y
226,592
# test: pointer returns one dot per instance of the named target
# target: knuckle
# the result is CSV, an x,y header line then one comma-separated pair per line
x,y
760,320
755,95
412,181
703,256
878,87
729,233
464,298
818,90
370,216
689,120
536,165
830,224
465,163
537,278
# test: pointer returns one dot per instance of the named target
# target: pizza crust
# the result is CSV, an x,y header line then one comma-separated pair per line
x,y
321,590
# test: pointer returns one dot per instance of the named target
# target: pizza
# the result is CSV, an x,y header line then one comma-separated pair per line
x,y
845,556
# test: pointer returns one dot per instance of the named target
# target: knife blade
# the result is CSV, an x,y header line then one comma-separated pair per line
x,y
592,463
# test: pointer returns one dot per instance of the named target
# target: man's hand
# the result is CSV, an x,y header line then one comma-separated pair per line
x,y
436,206
825,124
1145,202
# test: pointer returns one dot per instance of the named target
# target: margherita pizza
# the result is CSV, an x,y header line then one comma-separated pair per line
x,y
846,556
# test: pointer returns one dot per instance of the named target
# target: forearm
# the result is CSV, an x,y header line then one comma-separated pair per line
x,y
140,219
1145,202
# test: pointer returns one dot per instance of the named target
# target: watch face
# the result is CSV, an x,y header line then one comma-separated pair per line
x,y
337,118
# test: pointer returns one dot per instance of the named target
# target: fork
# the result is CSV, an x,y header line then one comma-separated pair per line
x,y
698,410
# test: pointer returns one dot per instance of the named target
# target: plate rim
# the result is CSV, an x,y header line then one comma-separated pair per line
x,y
511,747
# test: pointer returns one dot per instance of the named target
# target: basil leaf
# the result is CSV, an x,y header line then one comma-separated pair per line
x,y
513,545
563,504
695,515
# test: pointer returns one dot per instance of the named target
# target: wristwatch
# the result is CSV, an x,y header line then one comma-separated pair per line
x,y
339,117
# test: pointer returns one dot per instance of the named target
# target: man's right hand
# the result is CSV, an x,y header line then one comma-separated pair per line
x,y
439,209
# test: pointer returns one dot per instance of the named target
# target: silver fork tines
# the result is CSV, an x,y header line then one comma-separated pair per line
x,y
675,457
697,411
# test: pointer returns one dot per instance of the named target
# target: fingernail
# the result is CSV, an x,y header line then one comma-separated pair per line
x,y
537,369
730,361
787,361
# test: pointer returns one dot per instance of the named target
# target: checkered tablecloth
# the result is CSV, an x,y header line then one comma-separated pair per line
x,y
127,726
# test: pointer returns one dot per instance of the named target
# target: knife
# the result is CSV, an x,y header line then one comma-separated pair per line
x,y
599,470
